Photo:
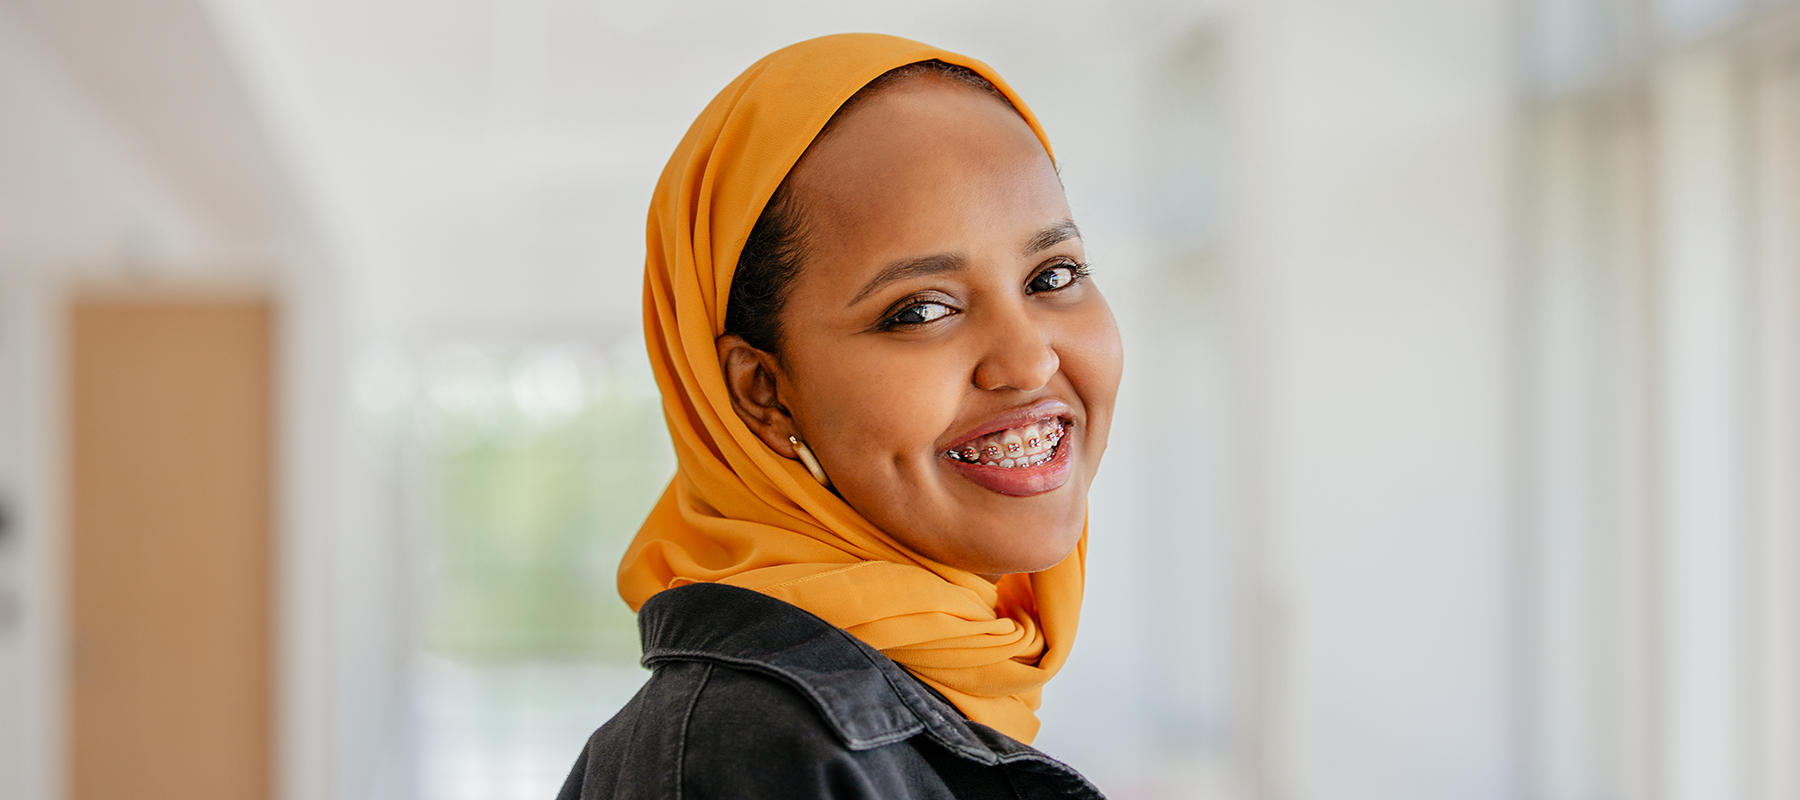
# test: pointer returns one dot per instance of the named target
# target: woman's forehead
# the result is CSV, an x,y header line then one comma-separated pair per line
x,y
913,157
924,110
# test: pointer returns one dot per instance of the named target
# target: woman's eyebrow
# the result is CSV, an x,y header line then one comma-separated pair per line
x,y
1052,236
900,269
909,268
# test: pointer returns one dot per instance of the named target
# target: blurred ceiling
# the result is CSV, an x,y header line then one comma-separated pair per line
x,y
480,169
160,70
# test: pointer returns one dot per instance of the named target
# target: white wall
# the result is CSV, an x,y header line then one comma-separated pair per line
x,y
78,192
126,165
1373,266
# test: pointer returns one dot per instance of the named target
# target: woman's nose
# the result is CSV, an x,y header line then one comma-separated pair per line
x,y
1019,353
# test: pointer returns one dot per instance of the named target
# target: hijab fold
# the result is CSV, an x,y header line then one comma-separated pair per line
x,y
741,514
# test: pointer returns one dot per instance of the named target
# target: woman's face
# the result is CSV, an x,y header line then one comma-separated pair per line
x,y
943,353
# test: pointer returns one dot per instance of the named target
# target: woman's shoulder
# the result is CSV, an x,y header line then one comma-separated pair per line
x,y
750,697
745,733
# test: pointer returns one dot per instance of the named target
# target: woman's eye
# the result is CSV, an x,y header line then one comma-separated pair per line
x,y
919,314
1061,276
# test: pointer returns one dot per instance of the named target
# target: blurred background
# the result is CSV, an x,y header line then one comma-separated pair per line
x,y
1457,453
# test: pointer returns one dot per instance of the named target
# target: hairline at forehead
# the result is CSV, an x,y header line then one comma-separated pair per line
x,y
911,84
799,188
888,83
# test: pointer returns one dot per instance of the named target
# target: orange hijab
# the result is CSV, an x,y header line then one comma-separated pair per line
x,y
740,514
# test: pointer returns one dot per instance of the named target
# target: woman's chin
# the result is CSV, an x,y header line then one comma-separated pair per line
x,y
1025,545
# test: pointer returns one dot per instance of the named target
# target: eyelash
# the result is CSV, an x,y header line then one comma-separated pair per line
x,y
1078,272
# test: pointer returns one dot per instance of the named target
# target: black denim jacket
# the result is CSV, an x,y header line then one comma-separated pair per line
x,y
750,697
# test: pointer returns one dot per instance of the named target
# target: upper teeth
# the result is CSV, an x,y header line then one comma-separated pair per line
x,y
1024,446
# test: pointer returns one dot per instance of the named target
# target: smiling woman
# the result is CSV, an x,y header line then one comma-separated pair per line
x,y
946,311
889,381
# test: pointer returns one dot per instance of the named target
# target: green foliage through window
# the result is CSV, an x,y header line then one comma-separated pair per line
x,y
532,469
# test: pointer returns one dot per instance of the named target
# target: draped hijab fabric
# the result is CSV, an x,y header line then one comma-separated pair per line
x,y
737,512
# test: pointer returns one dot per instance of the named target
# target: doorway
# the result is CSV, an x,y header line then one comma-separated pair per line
x,y
170,441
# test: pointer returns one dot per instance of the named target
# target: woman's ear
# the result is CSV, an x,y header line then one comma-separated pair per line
x,y
750,377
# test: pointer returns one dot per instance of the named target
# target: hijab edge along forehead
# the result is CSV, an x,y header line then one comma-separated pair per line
x,y
756,138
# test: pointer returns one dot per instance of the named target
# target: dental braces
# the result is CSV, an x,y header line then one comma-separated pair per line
x,y
992,452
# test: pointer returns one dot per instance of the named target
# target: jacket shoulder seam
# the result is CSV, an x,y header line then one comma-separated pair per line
x,y
681,739
819,703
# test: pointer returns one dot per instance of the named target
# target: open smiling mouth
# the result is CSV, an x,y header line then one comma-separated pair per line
x,y
1023,447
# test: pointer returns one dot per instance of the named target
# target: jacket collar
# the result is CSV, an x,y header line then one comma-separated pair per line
x,y
867,699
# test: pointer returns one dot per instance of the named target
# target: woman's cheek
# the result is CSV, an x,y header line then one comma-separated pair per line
x,y
880,400
1108,351
1095,364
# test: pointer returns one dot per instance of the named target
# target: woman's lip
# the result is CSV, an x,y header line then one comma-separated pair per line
x,y
1020,481
1036,412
